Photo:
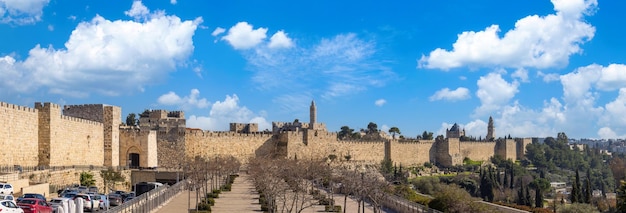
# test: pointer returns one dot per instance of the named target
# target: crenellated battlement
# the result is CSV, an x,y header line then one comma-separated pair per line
x,y
83,106
39,105
203,133
361,141
414,141
80,120
17,107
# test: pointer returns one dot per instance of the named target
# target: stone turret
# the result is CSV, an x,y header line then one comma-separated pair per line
x,y
491,134
313,114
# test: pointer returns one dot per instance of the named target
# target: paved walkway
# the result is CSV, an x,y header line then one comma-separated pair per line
x,y
179,203
241,198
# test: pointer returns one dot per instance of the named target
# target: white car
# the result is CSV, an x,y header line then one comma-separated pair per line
x,y
7,197
90,204
10,206
6,188
56,202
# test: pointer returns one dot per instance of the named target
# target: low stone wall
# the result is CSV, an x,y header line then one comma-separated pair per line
x,y
43,189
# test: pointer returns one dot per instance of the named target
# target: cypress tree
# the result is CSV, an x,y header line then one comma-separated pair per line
x,y
529,199
520,196
538,198
576,193
587,194
506,179
512,182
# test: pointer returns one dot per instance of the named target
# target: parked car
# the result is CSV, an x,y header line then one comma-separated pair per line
x,y
104,202
7,197
6,188
34,205
82,189
67,190
93,189
69,195
31,195
10,206
59,201
90,203
115,200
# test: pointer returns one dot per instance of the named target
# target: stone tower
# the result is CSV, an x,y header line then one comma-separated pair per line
x,y
313,114
491,134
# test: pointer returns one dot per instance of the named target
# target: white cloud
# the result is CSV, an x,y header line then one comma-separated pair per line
x,y
335,67
458,94
494,92
225,112
539,42
218,31
138,10
578,114
548,77
50,27
608,133
21,12
521,74
380,102
280,40
173,2
107,57
243,36
184,103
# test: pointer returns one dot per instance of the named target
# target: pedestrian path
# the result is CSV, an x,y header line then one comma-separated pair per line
x,y
241,198
179,203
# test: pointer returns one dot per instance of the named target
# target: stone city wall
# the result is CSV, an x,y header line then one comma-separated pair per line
x,y
92,112
139,141
112,122
18,135
477,150
242,146
65,141
412,153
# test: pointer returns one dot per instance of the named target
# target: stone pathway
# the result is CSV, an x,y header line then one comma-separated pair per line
x,y
241,198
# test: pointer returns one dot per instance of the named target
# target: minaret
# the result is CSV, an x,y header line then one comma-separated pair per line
x,y
313,114
490,130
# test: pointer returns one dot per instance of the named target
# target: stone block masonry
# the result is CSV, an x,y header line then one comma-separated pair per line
x,y
18,134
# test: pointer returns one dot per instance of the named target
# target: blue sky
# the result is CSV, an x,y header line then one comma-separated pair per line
x,y
538,67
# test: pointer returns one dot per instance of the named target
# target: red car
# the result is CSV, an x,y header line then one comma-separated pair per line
x,y
33,205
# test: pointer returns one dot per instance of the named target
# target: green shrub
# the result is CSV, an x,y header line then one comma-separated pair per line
x,y
204,206
227,187
216,191
326,201
331,208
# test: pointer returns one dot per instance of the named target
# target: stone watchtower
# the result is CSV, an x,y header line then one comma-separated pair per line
x,y
491,134
313,115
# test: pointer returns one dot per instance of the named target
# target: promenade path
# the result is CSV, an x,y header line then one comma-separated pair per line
x,y
243,198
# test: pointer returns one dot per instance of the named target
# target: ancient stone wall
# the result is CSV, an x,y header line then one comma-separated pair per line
x,y
521,146
92,112
506,148
139,141
65,140
412,153
477,150
242,146
112,122
18,135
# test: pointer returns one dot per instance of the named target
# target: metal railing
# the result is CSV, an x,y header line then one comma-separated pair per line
x,y
19,169
150,200
399,204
